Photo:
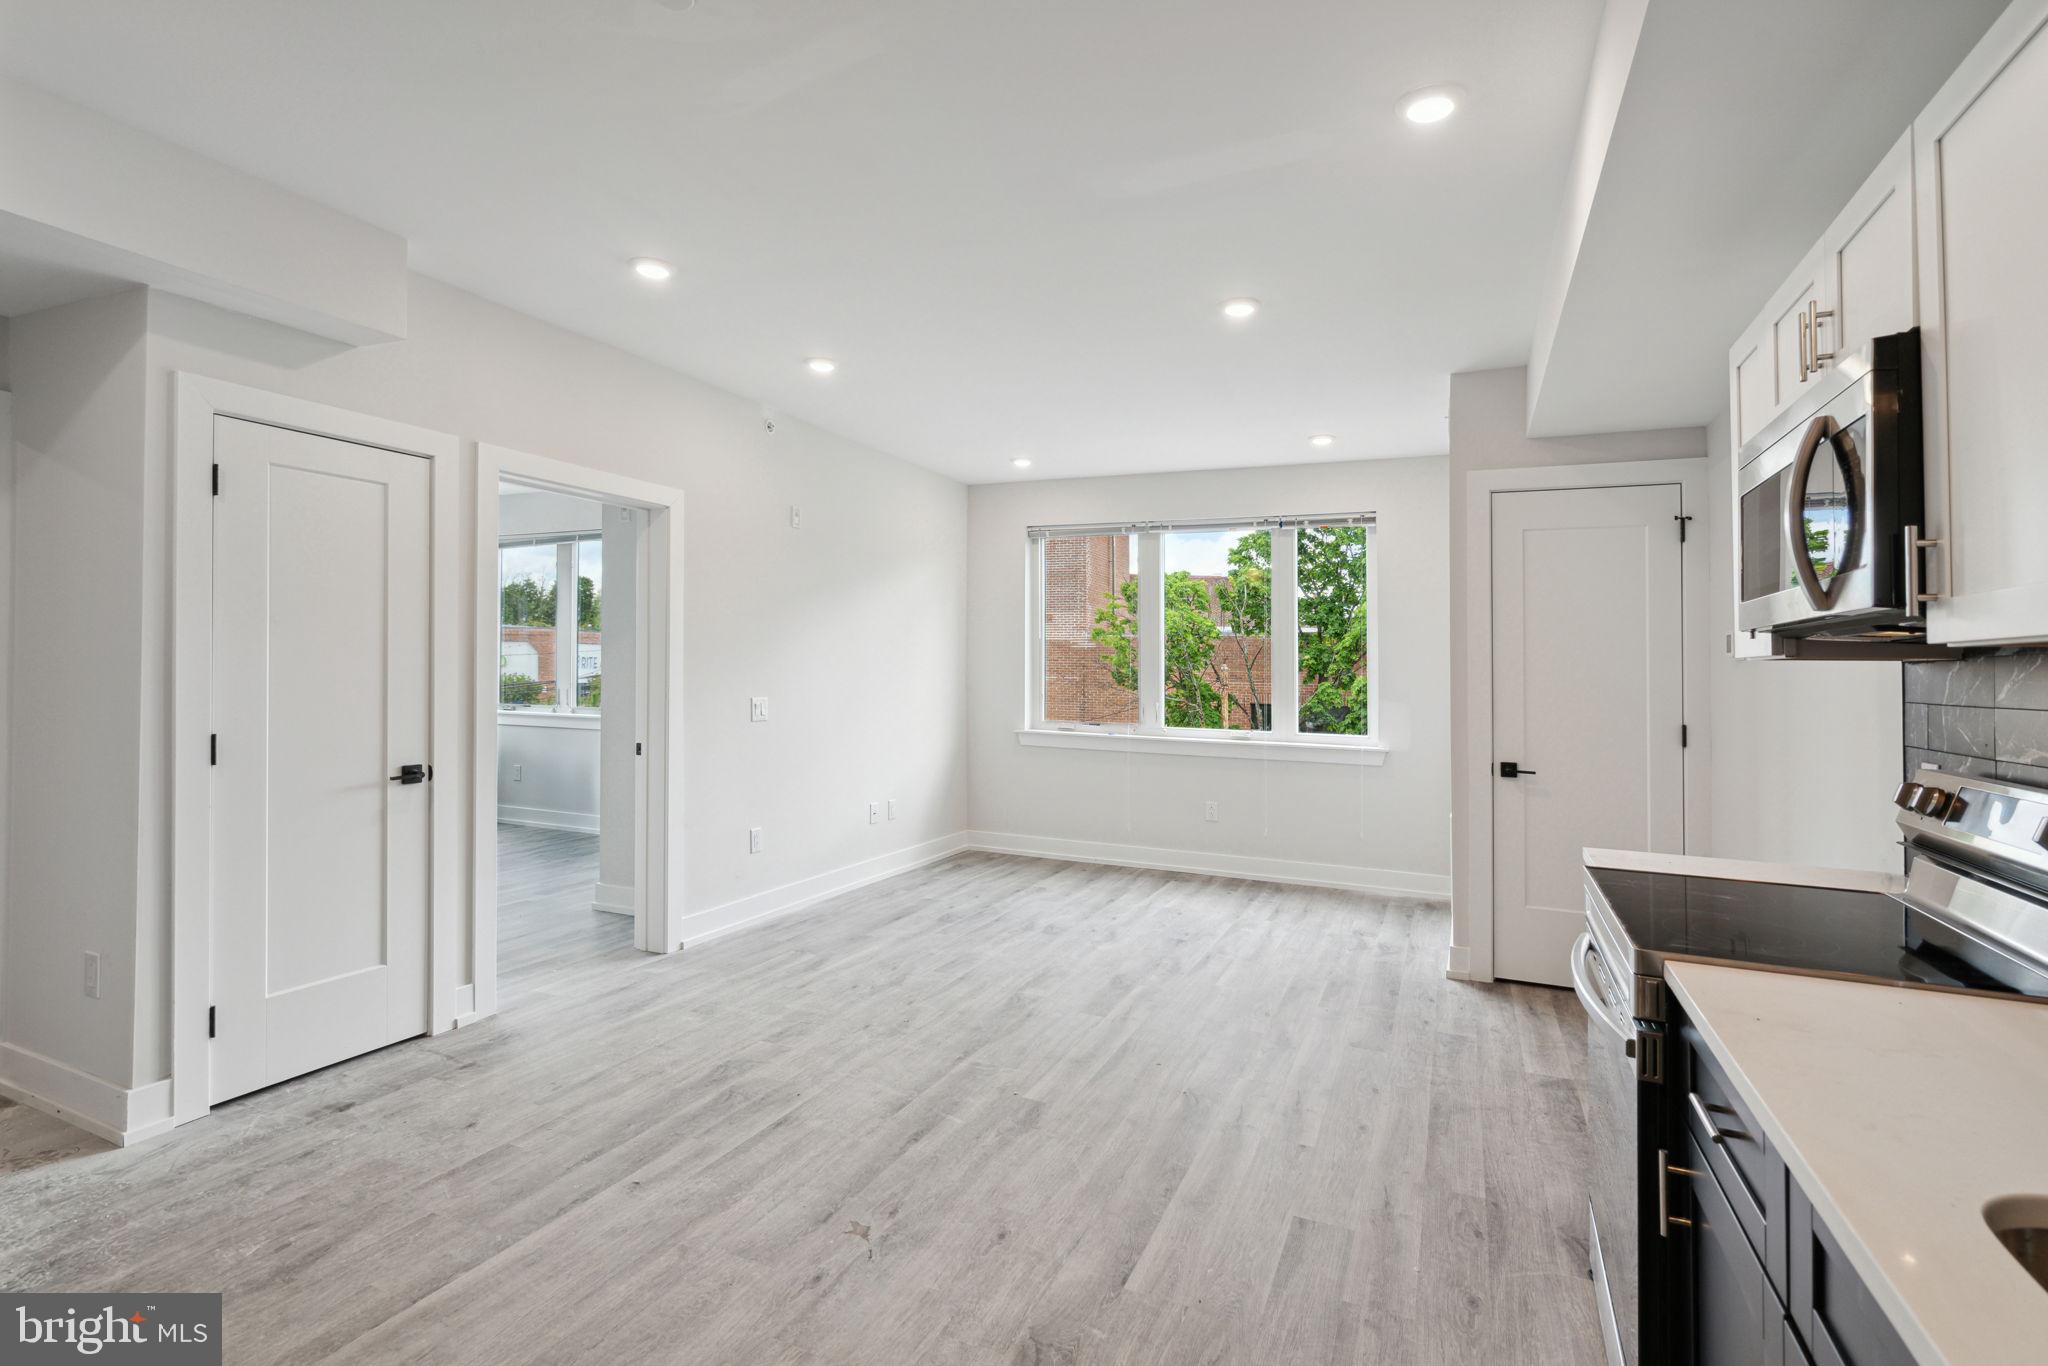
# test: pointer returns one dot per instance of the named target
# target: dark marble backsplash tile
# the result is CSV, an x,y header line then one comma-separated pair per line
x,y
1984,715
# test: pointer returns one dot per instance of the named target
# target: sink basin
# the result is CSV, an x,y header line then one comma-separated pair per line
x,y
2021,1223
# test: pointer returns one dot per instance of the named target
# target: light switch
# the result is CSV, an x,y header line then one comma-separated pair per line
x,y
755,840
757,709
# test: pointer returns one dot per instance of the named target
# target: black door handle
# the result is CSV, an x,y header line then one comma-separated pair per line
x,y
412,773
1510,769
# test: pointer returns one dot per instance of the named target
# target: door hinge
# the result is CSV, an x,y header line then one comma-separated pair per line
x,y
1682,518
637,748
1684,735
209,1021
216,479
213,750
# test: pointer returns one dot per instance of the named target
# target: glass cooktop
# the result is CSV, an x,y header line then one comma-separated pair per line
x,y
1765,924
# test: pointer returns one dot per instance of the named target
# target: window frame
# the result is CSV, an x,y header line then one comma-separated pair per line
x,y
1150,732
567,564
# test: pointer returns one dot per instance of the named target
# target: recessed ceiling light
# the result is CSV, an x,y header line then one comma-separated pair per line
x,y
1433,104
1321,439
1239,309
1022,462
821,365
648,268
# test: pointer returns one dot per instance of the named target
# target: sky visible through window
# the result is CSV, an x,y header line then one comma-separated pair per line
x,y
1201,553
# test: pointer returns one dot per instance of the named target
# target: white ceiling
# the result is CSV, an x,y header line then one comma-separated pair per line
x,y
1012,223
1745,127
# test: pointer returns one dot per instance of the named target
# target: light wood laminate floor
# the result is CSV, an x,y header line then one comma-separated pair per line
x,y
998,1110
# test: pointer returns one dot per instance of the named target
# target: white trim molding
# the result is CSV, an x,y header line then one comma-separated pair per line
x,y
120,1115
1255,868
1472,959
196,402
545,818
552,720
612,899
701,927
1230,744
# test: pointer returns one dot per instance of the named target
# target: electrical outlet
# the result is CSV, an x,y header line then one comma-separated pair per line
x,y
755,842
757,709
1208,811
874,813
92,975
796,518
519,773
892,808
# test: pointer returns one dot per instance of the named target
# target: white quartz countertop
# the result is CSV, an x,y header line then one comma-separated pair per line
x,y
1901,1113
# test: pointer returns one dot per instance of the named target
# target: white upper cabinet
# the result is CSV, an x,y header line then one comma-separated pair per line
x,y
1982,152
1868,261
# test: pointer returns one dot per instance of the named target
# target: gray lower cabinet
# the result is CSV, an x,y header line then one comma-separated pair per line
x,y
1762,1282
1735,1318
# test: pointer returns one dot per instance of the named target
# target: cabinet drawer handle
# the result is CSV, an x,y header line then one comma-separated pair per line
x,y
1805,336
1715,1133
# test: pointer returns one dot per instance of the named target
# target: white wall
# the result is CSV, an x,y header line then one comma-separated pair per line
x,y
853,625
1803,757
1489,430
77,723
548,771
1379,826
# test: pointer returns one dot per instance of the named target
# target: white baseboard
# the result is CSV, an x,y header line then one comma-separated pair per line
x,y
1388,880
541,818
701,927
613,899
120,1115
1458,963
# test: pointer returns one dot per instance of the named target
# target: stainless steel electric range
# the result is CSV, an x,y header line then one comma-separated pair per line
x,y
1970,914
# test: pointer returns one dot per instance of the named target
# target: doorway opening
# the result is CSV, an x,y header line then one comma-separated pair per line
x,y
567,724
578,770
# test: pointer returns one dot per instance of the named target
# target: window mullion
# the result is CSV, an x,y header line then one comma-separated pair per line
x,y
565,626
1151,635
1285,646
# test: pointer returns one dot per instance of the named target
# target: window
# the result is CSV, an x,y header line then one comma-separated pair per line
x,y
550,624
1218,603
1186,629
1089,663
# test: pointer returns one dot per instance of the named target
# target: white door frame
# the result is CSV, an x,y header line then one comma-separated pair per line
x,y
658,890
1690,474
196,401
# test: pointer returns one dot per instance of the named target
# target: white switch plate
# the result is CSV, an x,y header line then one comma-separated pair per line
x,y
1208,811
519,773
892,808
874,813
755,840
757,709
92,975
796,518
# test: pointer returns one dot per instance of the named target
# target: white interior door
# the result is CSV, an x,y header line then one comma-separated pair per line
x,y
320,695
1588,695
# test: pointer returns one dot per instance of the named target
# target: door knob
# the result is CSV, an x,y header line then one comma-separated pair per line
x,y
412,773
1510,769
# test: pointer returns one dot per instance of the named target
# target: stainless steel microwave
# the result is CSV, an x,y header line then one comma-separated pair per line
x,y
1830,502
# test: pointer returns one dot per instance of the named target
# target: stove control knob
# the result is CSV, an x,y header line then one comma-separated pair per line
x,y
1933,802
1907,794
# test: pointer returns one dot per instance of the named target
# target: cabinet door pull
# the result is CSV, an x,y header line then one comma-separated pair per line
x,y
1805,335
1814,313
1715,1133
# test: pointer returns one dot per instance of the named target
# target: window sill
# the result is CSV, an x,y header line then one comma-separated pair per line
x,y
558,720
1358,753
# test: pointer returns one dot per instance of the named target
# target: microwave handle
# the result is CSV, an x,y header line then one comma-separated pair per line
x,y
1821,429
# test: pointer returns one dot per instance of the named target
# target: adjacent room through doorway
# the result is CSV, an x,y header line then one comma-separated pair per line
x,y
567,771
